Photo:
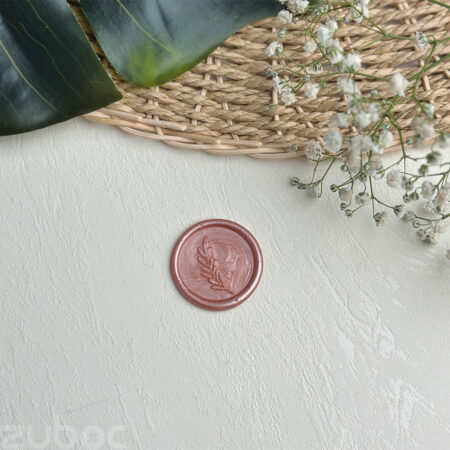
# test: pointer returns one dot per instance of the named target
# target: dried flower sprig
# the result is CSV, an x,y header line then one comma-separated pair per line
x,y
357,138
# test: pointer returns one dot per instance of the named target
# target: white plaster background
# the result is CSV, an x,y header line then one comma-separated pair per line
x,y
345,344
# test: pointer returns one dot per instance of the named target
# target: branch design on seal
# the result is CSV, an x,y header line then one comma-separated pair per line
x,y
210,268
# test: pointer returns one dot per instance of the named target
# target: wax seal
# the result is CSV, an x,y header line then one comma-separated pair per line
x,y
216,264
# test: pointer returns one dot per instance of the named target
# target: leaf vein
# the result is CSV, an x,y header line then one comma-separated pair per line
x,y
25,79
152,38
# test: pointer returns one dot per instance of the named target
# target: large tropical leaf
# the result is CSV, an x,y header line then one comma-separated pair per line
x,y
48,71
150,42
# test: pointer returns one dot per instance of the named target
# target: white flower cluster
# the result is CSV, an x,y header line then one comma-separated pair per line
x,y
285,16
360,10
398,84
274,48
310,46
357,138
334,140
349,62
435,194
420,40
423,128
314,150
333,48
296,6
437,198
311,90
285,90
395,179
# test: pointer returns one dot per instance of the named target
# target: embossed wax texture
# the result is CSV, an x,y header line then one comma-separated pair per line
x,y
217,264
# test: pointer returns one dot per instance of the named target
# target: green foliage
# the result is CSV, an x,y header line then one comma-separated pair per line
x,y
48,71
150,42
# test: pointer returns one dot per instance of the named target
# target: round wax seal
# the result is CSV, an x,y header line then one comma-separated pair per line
x,y
217,264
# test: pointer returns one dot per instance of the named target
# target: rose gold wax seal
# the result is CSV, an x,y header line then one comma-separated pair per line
x,y
217,264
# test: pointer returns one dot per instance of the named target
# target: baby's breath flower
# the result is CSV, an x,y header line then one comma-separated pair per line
x,y
420,40
439,227
398,209
443,141
296,6
360,10
274,48
348,86
409,216
394,179
427,190
285,16
339,120
380,218
442,198
332,25
353,159
421,234
351,62
313,150
365,114
429,207
408,184
353,103
334,140
374,110
345,195
270,72
334,51
324,34
288,97
423,169
362,199
279,84
398,84
283,88
362,119
432,237
374,116
311,90
428,110
375,167
310,46
424,128
361,143
434,157
316,69
386,138
316,192
299,6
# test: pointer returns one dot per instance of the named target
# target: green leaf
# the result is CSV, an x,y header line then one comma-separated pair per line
x,y
150,42
48,70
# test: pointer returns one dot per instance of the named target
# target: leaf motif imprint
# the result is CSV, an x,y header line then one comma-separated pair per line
x,y
210,268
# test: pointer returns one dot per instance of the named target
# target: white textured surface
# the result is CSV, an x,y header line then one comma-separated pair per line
x,y
345,344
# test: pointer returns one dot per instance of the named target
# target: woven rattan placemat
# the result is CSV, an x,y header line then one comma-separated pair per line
x,y
222,105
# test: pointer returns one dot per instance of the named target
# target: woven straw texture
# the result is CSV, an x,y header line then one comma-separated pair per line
x,y
222,105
